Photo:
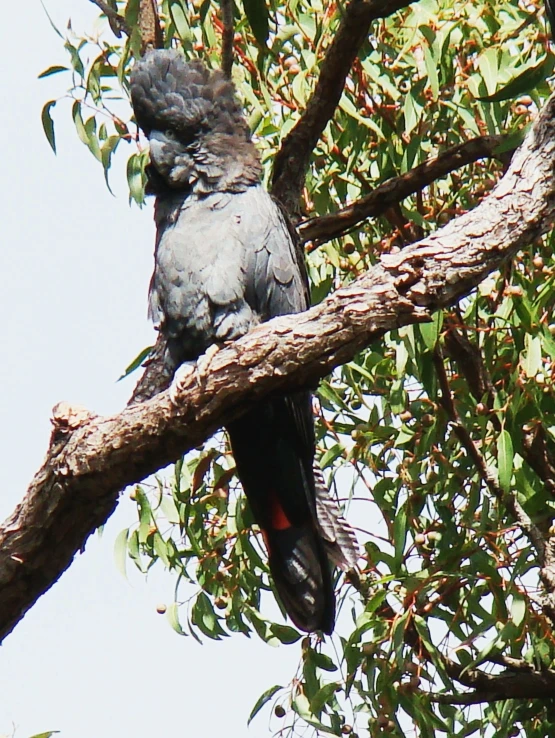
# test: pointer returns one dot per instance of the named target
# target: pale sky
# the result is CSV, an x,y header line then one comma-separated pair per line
x,y
92,658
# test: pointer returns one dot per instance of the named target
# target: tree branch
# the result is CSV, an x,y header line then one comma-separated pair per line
x,y
396,189
227,36
506,498
538,454
117,22
510,685
292,160
149,26
91,458
520,680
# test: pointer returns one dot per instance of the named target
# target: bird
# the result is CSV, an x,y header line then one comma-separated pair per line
x,y
227,259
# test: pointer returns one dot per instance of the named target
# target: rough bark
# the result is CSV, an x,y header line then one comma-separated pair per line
x,y
149,26
91,458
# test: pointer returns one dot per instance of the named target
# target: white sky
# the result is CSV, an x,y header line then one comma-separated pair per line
x,y
92,658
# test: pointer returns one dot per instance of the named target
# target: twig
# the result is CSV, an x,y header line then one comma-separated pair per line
x,y
538,454
395,190
535,453
117,22
292,160
511,663
519,681
506,498
468,358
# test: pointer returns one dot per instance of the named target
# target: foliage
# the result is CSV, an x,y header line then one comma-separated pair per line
x,y
449,579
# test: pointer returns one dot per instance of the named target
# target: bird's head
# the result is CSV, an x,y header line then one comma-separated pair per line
x,y
172,157
198,137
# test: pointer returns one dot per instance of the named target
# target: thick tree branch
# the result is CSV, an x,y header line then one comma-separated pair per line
x,y
291,162
90,458
394,190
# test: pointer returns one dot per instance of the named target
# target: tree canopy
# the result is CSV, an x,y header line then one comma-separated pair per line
x,y
388,130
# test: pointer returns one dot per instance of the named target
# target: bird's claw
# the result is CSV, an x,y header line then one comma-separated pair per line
x,y
205,361
180,379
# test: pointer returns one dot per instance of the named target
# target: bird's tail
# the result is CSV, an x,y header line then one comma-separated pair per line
x,y
301,573
273,452
339,537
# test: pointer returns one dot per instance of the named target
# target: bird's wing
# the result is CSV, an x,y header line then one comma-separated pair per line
x,y
276,275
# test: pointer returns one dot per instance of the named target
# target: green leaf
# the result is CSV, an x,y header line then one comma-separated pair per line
x,y
505,457
489,68
532,355
172,614
511,141
524,82
206,620
92,140
76,62
137,361
180,21
120,551
400,533
52,70
301,705
262,700
136,178
161,549
323,695
78,122
45,735
432,70
518,610
48,124
285,633
430,332
323,661
258,17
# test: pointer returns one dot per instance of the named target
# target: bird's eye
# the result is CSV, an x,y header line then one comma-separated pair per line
x,y
170,134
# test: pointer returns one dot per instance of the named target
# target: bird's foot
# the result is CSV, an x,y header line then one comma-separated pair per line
x,y
181,379
205,361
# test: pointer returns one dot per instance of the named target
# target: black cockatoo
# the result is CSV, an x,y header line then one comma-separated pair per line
x,y
225,260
